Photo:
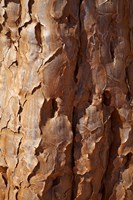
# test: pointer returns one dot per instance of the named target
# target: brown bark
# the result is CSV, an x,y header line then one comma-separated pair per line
x,y
66,91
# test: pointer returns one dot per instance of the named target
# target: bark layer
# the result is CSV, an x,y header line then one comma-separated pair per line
x,y
66,97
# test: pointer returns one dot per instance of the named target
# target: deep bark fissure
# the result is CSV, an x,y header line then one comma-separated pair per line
x,y
113,151
38,34
5,179
72,152
79,49
66,84
30,4
74,121
103,181
18,150
54,108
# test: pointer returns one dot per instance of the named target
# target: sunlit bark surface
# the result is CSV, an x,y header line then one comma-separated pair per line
x,y
66,89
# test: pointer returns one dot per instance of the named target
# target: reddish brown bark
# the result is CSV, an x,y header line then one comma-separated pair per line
x,y
66,89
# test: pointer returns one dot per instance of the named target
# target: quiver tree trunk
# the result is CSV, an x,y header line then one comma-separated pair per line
x,y
66,88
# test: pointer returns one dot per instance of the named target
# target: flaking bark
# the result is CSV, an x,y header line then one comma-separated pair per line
x,y
66,97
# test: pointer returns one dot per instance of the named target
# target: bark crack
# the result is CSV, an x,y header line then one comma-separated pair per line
x,y
74,114
18,150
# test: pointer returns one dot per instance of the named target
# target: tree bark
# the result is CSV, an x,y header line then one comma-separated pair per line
x,y
66,97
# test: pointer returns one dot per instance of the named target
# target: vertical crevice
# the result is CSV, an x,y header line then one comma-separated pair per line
x,y
17,192
3,171
127,81
72,151
5,180
19,116
1,28
5,18
103,181
106,98
38,34
76,69
54,108
79,49
128,159
30,4
74,120
115,142
112,53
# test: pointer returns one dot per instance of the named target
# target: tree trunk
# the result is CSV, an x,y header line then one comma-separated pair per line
x,y
66,89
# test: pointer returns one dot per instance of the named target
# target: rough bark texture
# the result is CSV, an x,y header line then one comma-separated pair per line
x,y
66,89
